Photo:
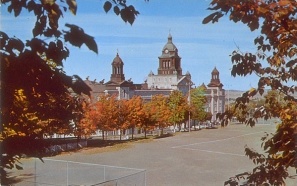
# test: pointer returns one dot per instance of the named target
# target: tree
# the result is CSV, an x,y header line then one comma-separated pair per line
x,y
177,106
136,112
275,63
198,101
41,102
84,125
105,114
160,111
123,113
148,121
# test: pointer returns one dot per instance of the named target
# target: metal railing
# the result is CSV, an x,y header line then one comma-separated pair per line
x,y
61,172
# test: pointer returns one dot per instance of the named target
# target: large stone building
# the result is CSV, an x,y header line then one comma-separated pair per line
x,y
169,74
169,77
215,95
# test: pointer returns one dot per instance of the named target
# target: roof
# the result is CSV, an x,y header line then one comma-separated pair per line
x,y
96,87
169,45
215,71
215,83
117,60
203,86
150,93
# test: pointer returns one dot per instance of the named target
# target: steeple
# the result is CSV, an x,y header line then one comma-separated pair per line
x,y
117,69
169,38
169,47
215,79
169,61
188,74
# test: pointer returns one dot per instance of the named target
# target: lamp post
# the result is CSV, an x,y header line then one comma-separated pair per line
x,y
190,84
228,97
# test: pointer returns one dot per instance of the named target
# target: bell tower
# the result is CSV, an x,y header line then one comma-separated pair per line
x,y
215,79
117,70
169,61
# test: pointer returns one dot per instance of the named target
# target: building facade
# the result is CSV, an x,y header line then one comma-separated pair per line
x,y
215,95
169,77
169,74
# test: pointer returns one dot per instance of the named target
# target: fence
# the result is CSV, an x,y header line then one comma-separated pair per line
x,y
58,148
60,172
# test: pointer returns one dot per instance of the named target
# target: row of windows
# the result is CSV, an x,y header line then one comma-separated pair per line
x,y
215,77
166,63
117,70
165,79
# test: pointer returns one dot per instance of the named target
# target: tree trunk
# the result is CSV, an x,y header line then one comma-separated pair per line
x,y
295,137
120,135
77,141
65,142
132,132
103,135
174,127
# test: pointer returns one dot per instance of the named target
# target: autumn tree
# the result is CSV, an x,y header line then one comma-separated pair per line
x,y
38,101
122,116
148,121
105,114
198,101
275,63
160,111
177,104
38,93
136,113
84,126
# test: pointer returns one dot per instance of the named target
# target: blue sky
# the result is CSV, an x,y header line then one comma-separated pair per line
x,y
201,47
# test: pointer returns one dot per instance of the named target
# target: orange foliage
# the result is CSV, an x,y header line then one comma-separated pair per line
x,y
160,110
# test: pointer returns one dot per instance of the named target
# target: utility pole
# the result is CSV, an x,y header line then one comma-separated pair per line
x,y
190,84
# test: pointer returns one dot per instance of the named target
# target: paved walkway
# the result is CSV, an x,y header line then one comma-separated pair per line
x,y
205,157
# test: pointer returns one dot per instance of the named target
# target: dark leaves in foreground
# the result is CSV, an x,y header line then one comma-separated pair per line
x,y
77,37
127,13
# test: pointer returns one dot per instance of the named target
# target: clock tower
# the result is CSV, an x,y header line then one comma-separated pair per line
x,y
169,76
169,61
117,70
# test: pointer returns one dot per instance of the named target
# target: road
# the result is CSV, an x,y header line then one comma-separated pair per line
x,y
205,157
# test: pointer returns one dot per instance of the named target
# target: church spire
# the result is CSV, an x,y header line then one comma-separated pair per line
x,y
169,61
215,78
169,38
117,69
